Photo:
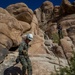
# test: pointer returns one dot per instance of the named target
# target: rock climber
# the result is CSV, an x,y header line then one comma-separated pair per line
x,y
60,31
23,55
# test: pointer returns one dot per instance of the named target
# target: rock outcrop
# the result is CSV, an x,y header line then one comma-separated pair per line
x,y
67,7
11,30
47,49
44,13
21,12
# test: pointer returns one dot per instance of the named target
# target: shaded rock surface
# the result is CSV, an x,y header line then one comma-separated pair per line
x,y
67,7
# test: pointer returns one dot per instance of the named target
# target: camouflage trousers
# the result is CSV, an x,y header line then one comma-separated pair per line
x,y
26,64
60,34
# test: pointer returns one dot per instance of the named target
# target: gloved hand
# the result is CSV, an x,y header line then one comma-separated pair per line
x,y
17,60
25,52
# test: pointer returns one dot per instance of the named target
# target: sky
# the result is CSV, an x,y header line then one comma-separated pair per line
x,y
33,4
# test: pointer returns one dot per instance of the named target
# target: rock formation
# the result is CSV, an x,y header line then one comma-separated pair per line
x,y
44,13
47,49
21,12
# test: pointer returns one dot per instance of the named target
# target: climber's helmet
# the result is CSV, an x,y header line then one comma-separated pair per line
x,y
29,37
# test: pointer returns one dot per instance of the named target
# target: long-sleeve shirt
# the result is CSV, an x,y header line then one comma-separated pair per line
x,y
23,46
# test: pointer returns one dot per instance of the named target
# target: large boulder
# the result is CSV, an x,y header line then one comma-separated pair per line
x,y
71,33
68,26
51,29
67,46
6,41
67,21
56,13
21,12
38,14
10,31
11,27
44,13
67,7
47,8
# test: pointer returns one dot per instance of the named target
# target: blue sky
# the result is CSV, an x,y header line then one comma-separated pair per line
x,y
33,4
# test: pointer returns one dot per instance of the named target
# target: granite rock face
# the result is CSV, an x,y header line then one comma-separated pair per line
x,y
21,12
44,13
42,64
67,7
63,15
11,30
18,20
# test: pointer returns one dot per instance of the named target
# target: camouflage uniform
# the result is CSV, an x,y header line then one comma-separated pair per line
x,y
60,32
24,58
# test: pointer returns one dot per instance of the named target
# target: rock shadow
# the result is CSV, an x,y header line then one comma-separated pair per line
x,y
12,71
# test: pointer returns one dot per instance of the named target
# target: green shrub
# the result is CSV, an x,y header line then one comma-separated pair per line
x,y
55,37
68,70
